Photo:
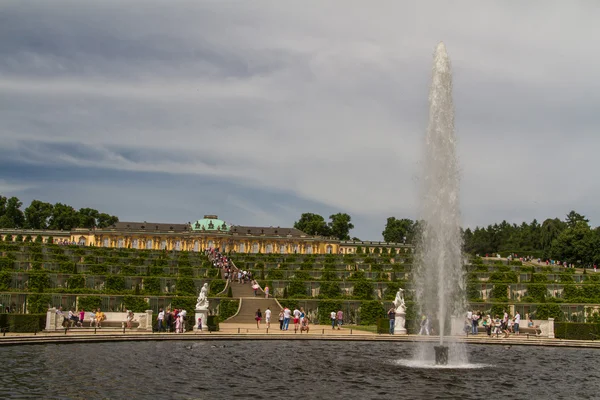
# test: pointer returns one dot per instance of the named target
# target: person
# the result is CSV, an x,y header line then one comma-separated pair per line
x,y
81,316
161,318
304,325
258,318
392,317
268,317
286,318
60,316
255,288
475,323
340,319
99,318
92,318
280,320
183,316
200,323
129,319
296,319
517,321
178,324
332,317
266,292
73,318
302,314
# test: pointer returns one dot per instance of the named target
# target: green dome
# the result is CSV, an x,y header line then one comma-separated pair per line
x,y
210,223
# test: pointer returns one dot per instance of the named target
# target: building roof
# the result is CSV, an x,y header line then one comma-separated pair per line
x,y
210,223
149,226
267,231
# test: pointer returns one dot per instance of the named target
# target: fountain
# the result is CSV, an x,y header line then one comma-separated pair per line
x,y
439,277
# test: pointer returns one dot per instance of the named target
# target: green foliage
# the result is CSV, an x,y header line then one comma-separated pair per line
x,y
330,290
296,289
23,322
328,275
576,331
313,224
152,285
397,229
89,303
98,269
38,303
275,274
473,292
324,309
39,281
115,282
156,271
289,303
340,226
135,304
228,308
363,290
537,292
217,286
185,286
357,276
369,311
128,270
5,280
76,281
548,310
391,290
500,292
539,278
302,275
186,271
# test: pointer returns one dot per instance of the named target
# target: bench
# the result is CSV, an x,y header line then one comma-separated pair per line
x,y
141,321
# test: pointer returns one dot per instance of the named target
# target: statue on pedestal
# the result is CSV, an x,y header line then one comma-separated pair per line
x,y
202,303
399,302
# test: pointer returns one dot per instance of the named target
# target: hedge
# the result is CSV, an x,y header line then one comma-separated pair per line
x,y
228,308
23,322
576,331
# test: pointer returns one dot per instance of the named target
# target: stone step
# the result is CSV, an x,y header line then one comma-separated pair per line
x,y
248,308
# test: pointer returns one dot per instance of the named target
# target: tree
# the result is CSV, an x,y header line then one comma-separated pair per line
x,y
398,230
87,218
312,224
105,220
11,215
550,230
37,214
574,219
64,217
340,226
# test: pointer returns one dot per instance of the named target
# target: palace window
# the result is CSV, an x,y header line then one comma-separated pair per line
x,y
255,248
105,242
196,245
269,249
282,249
81,241
309,249
178,245
149,244
296,248
163,244
329,249
210,244
120,243
242,247
135,244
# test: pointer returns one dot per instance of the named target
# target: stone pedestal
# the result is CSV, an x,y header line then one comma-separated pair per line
x,y
400,324
201,314
51,319
550,328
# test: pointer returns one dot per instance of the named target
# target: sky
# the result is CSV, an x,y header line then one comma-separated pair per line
x,y
260,111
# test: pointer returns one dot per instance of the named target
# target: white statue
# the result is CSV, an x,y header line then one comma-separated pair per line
x,y
399,302
202,303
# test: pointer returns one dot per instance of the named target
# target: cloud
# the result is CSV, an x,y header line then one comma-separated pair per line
x,y
319,107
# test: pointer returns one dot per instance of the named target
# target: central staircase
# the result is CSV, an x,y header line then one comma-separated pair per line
x,y
249,304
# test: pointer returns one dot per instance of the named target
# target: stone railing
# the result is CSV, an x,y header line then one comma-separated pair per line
x,y
113,319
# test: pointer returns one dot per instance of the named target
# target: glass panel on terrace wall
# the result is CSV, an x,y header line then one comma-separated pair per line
x,y
81,241
309,249
210,244
329,249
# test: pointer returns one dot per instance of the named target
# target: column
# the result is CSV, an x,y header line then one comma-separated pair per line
x,y
550,328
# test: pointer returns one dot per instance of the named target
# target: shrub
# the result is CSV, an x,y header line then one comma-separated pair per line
x,y
369,311
328,275
363,290
357,276
39,239
23,322
500,292
324,309
151,285
228,308
156,270
135,304
296,289
473,292
38,303
186,271
217,286
98,269
329,290
38,281
302,275
185,286
537,292
576,331
548,310
76,281
89,302
275,274
115,282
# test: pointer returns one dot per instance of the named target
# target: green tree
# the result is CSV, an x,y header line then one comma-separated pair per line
x,y
398,230
574,218
63,217
313,224
340,226
11,215
37,215
105,220
87,218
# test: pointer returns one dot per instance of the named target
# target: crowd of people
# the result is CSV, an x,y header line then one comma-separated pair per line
x,y
172,320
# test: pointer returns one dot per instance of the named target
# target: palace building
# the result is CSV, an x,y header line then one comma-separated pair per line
x,y
208,232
